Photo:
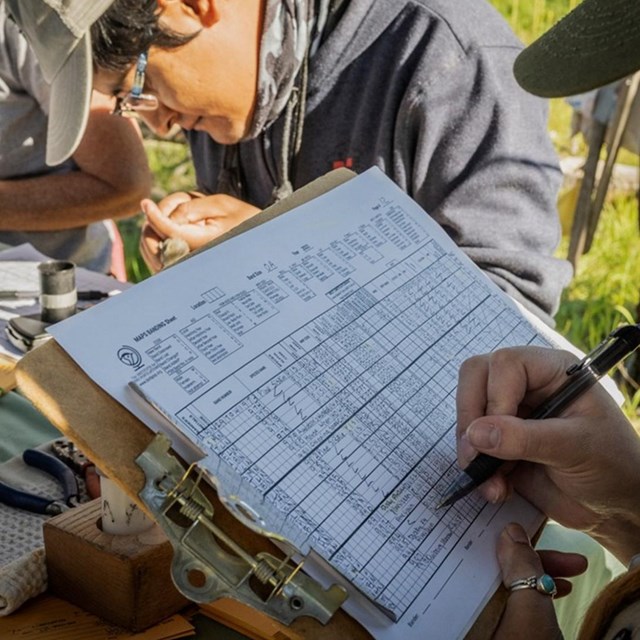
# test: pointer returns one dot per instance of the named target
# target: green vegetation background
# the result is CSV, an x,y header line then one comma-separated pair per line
x,y
605,290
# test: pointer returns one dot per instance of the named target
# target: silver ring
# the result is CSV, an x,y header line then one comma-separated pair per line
x,y
544,584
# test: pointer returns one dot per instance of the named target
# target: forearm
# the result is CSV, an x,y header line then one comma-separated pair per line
x,y
620,534
62,201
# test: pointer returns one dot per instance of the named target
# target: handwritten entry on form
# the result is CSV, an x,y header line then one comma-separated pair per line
x,y
314,360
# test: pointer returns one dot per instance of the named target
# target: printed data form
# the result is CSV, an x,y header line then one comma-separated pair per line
x,y
314,361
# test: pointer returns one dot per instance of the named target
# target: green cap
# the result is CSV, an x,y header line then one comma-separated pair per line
x,y
595,44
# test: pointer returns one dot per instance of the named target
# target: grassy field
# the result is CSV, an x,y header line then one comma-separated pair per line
x,y
530,18
604,291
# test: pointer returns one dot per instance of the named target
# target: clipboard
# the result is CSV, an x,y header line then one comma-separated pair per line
x,y
59,388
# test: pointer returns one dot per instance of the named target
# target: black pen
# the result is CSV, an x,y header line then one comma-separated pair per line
x,y
582,376
93,294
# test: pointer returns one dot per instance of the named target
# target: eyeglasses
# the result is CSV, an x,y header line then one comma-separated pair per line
x,y
135,100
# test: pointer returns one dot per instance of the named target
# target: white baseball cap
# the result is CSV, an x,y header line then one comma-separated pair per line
x,y
59,33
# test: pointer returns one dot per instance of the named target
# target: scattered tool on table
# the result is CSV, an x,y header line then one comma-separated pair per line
x,y
38,504
67,451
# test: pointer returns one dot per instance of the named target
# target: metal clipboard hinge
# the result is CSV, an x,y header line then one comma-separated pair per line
x,y
208,564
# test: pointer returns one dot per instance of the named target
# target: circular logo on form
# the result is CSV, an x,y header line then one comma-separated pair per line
x,y
129,356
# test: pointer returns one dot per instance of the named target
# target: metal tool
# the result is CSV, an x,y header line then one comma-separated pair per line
x,y
67,451
208,564
38,504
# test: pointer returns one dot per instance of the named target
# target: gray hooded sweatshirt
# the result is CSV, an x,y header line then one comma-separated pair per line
x,y
424,90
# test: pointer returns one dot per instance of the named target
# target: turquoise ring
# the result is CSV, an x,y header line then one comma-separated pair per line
x,y
544,584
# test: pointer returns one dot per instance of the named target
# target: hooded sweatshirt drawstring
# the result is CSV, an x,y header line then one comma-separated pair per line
x,y
292,135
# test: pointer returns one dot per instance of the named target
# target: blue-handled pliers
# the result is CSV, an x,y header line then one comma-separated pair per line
x,y
38,504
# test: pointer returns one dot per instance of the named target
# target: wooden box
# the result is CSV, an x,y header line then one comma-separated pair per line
x,y
123,579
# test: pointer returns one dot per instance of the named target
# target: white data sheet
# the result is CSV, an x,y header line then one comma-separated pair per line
x,y
314,361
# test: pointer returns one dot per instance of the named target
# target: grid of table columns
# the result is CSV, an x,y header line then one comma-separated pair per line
x,y
354,440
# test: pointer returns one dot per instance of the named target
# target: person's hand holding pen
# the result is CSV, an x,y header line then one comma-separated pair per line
x,y
582,469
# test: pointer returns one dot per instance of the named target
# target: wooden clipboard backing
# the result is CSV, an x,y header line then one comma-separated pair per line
x,y
112,437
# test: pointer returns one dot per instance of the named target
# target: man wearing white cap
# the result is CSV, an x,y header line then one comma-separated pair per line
x,y
274,94
61,204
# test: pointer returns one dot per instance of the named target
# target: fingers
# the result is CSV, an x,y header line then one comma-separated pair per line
x,y
529,613
537,445
194,212
550,442
576,465
196,221
497,489
516,556
171,212
195,235
161,223
149,246
219,210
559,563
188,211
171,202
498,382
470,401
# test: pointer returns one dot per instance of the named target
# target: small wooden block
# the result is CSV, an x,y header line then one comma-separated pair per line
x,y
123,579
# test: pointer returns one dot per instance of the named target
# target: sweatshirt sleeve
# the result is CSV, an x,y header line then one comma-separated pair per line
x,y
474,151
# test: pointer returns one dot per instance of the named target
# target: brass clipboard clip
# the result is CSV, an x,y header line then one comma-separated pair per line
x,y
208,564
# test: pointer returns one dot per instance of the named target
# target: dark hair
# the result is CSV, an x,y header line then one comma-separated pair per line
x,y
127,29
